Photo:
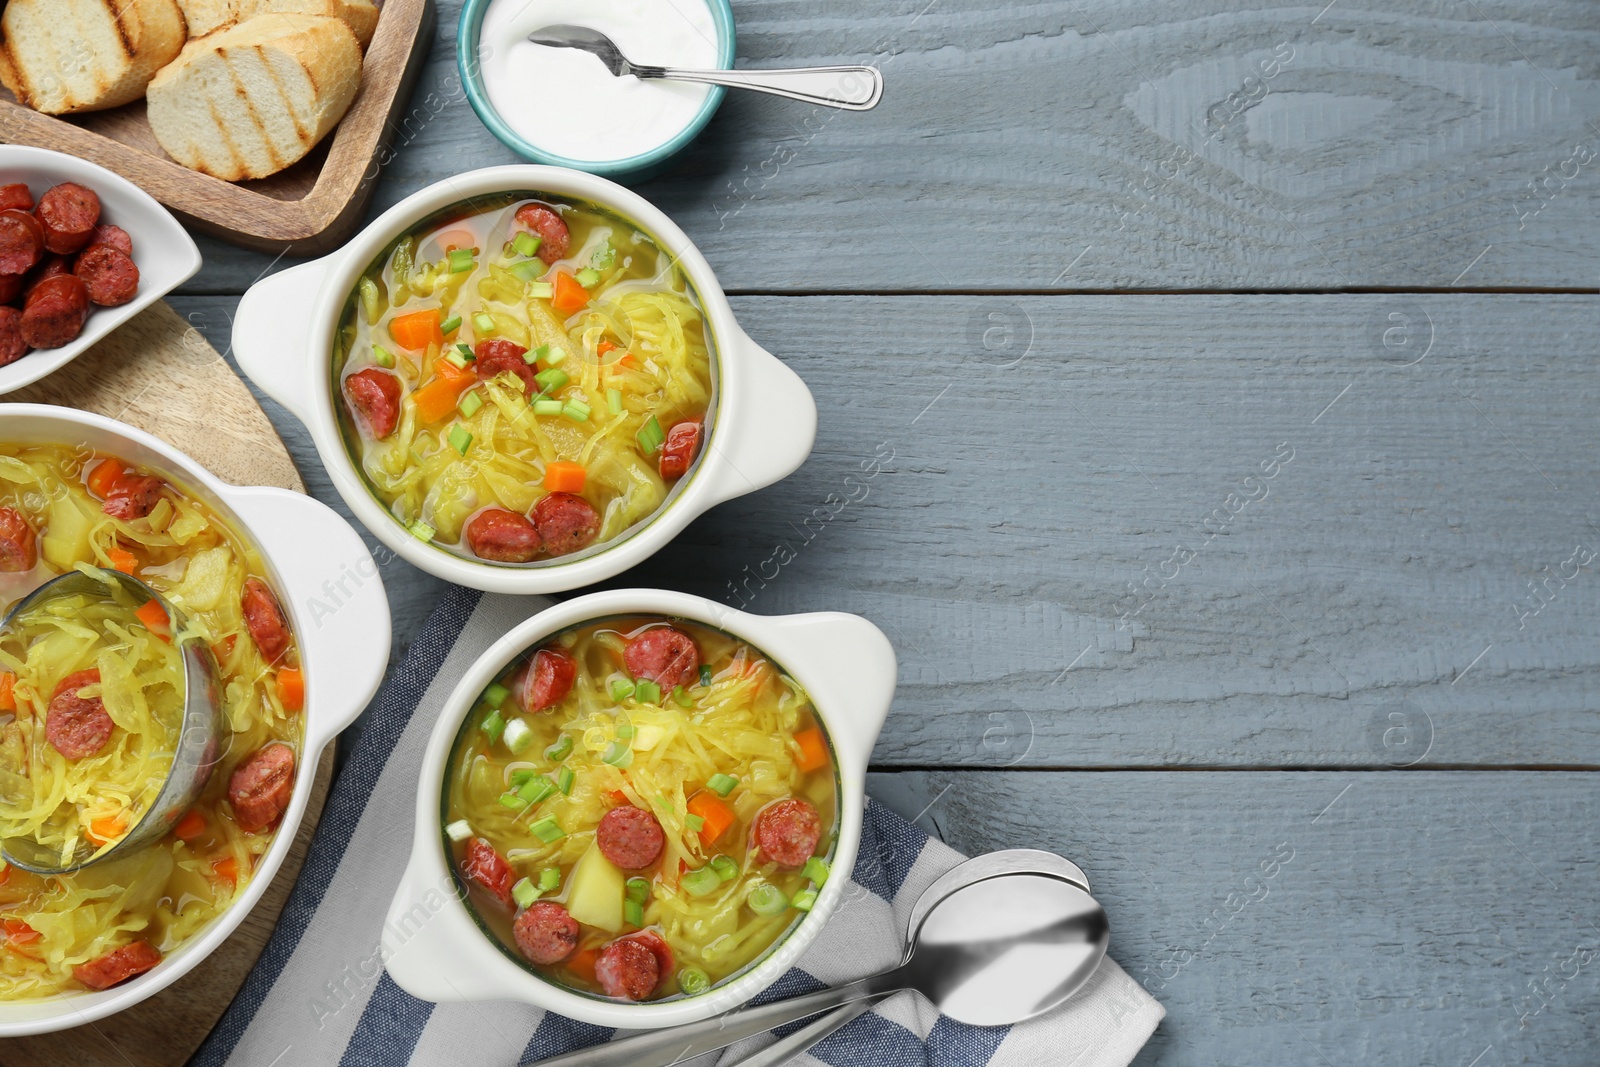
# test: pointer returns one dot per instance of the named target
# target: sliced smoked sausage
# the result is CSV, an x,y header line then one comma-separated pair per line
x,y
263,617
566,522
547,680
373,396
787,832
554,237
111,276
69,214
19,547
545,933
627,968
115,236
663,655
503,537
16,197
118,965
11,287
77,726
494,357
134,496
261,787
21,242
630,837
55,311
13,346
677,455
489,869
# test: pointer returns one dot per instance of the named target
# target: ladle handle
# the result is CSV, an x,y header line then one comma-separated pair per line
x,y
662,1048
787,1048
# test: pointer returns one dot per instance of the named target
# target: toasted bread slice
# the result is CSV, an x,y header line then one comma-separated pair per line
x,y
250,100
360,15
206,16
84,55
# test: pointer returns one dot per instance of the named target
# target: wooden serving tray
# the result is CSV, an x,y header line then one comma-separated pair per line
x,y
160,374
307,209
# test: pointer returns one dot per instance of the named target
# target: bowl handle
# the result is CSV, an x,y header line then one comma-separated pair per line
x,y
335,597
857,663
774,430
430,947
269,334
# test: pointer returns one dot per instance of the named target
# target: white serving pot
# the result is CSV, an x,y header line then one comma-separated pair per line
x,y
763,427
435,950
329,586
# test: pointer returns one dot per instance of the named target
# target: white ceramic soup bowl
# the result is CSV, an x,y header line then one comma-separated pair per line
x,y
761,428
328,585
435,950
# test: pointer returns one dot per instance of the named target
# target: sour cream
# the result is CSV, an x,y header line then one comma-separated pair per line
x,y
565,102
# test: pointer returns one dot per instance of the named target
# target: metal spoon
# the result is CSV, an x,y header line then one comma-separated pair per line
x,y
851,88
199,738
992,953
973,870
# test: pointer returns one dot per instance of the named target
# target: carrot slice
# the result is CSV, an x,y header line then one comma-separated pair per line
x,y
563,477
8,691
154,617
226,869
569,295
106,828
123,560
292,689
437,400
417,330
715,815
813,750
20,933
104,477
582,964
191,826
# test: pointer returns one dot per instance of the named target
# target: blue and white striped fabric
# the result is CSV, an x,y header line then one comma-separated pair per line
x,y
320,995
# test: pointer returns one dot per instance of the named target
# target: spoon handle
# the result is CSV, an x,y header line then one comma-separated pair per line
x,y
784,1049
851,88
662,1048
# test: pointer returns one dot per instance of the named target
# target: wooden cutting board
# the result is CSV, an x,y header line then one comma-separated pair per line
x,y
158,373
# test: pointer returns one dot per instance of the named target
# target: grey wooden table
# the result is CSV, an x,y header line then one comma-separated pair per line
x,y
1232,371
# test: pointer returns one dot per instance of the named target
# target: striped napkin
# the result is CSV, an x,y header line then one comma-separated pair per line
x,y
320,995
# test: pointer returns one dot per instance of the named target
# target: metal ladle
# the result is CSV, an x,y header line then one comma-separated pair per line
x,y
990,953
199,738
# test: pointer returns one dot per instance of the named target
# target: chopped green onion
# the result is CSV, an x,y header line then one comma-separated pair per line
x,y
576,410
528,270
518,736
722,784
624,728
548,830
621,689
695,823
421,531
564,780
483,323
493,726
550,380
524,893
726,869
469,404
382,356
617,754
555,355
693,980
803,900
647,692
461,260
638,890
549,879
521,776
537,790
512,801
651,437
614,401
700,882
456,356
588,277
633,912
450,325
466,352
560,750
548,407
705,675
681,698
816,870
460,438
766,899
541,290
459,830
526,244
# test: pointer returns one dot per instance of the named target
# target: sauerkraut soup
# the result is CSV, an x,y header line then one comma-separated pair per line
x,y
521,378
88,717
641,807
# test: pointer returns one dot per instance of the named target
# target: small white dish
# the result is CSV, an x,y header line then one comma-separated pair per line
x,y
765,418
433,948
162,249
343,635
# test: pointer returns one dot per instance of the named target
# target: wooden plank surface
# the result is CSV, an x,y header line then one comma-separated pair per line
x,y
1248,530
1123,144
1419,918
